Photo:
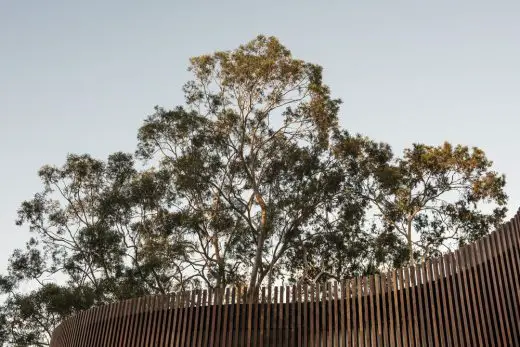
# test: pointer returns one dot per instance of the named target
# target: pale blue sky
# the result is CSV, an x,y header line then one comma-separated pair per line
x,y
80,76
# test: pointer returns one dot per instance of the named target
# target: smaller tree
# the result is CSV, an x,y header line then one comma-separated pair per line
x,y
28,319
100,228
434,198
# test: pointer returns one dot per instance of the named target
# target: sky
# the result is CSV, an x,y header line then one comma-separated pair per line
x,y
81,76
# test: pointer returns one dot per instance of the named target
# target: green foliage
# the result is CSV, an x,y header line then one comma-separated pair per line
x,y
251,182
432,198
248,157
104,230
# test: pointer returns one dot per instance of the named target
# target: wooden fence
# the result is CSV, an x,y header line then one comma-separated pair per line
x,y
470,297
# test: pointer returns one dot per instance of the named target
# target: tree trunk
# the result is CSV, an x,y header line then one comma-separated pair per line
x,y
410,244
253,283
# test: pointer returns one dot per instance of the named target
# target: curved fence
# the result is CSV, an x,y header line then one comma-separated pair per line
x,y
470,297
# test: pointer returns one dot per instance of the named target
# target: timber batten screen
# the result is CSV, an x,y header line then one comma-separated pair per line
x,y
470,297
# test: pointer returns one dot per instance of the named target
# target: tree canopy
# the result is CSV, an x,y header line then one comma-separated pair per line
x,y
251,182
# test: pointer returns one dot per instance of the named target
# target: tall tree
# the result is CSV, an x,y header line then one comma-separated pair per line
x,y
249,157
